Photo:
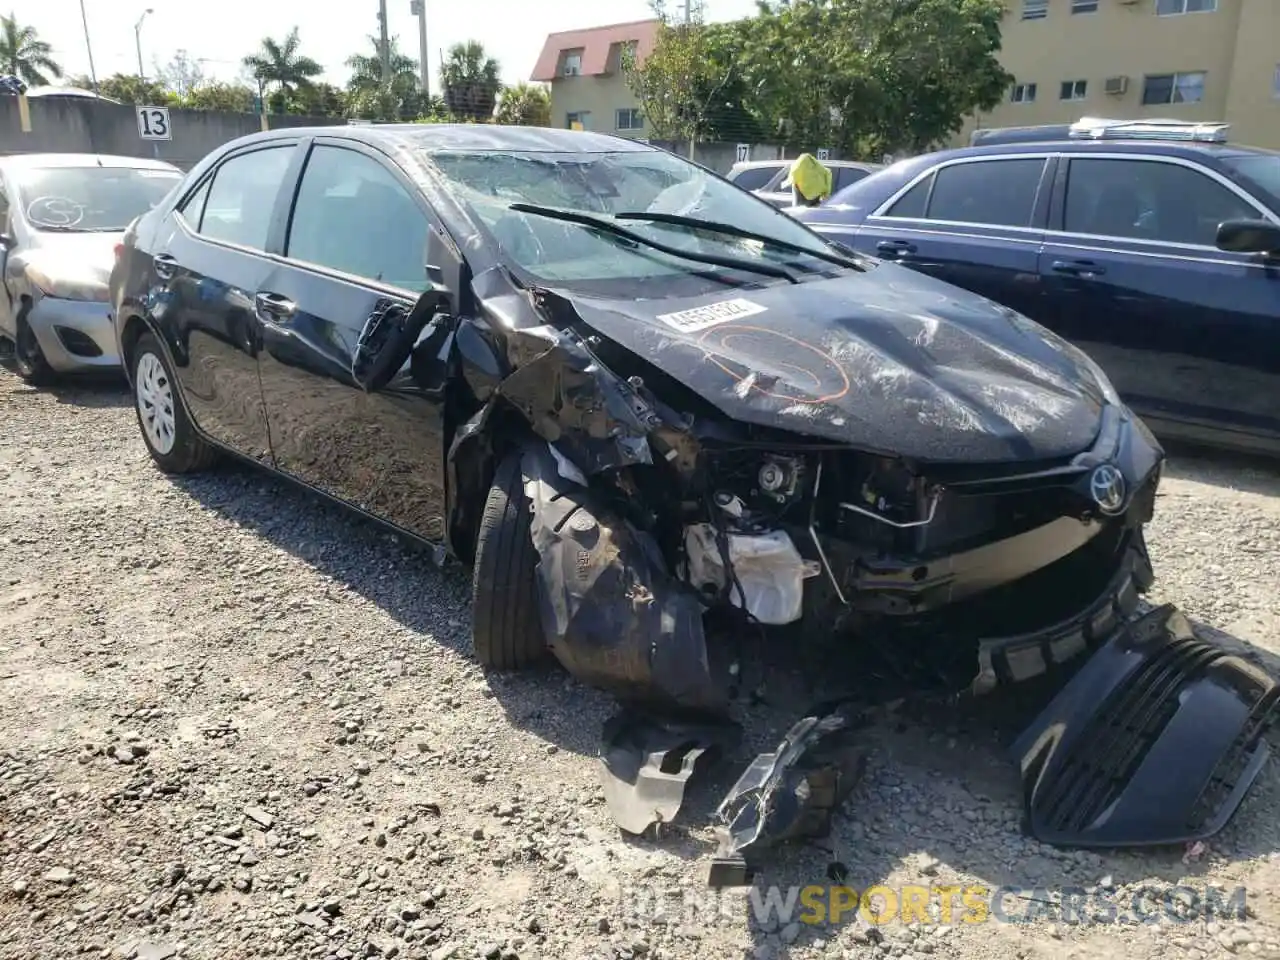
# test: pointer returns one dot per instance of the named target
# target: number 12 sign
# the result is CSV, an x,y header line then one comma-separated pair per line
x,y
153,123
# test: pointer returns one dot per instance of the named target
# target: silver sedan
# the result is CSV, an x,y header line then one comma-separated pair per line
x,y
61,217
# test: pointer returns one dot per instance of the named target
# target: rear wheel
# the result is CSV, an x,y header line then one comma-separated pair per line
x,y
506,623
170,438
28,358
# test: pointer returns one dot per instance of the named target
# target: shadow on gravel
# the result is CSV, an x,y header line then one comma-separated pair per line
x,y
1238,471
941,799
98,390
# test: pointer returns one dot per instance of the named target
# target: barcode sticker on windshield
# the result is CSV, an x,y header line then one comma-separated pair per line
x,y
701,318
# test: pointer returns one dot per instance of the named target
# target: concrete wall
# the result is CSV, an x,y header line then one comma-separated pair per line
x,y
81,125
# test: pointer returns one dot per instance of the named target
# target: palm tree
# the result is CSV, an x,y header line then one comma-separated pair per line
x,y
525,104
282,65
24,55
373,98
471,81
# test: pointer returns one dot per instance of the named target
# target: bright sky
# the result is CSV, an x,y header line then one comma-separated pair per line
x,y
224,31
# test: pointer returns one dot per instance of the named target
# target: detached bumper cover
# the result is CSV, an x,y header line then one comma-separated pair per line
x,y
1155,741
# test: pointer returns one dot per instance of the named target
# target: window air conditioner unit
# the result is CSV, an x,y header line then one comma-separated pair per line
x,y
1117,86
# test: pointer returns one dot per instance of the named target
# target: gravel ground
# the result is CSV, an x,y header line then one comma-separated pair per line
x,y
235,722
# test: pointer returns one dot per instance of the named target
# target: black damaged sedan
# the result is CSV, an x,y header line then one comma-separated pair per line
x,y
652,411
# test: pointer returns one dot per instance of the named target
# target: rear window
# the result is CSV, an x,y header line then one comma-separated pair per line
x,y
754,178
89,199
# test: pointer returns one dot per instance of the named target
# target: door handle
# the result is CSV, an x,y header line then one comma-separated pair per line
x,y
164,265
895,248
1078,268
274,307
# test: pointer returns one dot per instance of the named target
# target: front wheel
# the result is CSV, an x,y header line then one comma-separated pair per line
x,y
506,625
29,358
170,438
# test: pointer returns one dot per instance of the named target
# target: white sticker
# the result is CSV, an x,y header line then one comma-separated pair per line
x,y
700,318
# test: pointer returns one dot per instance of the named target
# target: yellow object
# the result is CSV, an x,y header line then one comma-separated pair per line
x,y
810,177
24,114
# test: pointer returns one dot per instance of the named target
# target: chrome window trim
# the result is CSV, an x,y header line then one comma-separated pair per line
x,y
879,212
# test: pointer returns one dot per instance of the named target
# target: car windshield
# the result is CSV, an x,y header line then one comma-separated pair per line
x,y
1260,171
90,199
620,188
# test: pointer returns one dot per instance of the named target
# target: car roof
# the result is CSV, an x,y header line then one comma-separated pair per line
x,y
748,164
469,137
28,161
1167,148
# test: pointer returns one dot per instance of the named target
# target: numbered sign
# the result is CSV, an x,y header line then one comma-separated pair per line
x,y
824,154
744,152
153,123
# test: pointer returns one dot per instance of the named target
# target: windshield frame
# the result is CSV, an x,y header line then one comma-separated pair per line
x,y
480,236
19,202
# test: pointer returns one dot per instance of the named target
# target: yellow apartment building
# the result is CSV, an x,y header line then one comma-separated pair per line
x,y
1214,60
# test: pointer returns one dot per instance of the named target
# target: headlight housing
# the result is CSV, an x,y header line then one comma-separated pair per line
x,y
67,285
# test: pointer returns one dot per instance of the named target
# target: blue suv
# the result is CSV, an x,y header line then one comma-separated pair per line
x,y
1153,245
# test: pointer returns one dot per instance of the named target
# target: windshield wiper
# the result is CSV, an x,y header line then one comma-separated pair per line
x,y
607,226
712,226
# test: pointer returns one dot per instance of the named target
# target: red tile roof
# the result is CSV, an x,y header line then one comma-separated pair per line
x,y
595,44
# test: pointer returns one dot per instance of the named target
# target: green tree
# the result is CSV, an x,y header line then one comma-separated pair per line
x,y
526,105
280,65
322,100
24,55
181,74
471,80
684,78
373,97
231,97
130,88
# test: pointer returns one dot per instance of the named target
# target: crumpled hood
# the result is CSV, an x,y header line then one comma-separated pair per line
x,y
889,360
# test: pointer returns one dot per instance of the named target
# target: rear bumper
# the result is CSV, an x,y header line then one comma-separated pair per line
x,y
74,335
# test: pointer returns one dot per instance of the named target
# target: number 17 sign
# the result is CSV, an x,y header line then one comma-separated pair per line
x,y
153,123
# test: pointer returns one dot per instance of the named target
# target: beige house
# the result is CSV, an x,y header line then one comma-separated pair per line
x,y
584,70
1214,60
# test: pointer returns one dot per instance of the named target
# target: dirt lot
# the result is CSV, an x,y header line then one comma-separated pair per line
x,y
235,722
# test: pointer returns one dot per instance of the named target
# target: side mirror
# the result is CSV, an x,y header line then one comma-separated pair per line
x,y
389,336
7,242
1249,236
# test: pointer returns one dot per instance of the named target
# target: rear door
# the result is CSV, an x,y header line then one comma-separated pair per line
x,y
1186,331
976,222
208,258
356,243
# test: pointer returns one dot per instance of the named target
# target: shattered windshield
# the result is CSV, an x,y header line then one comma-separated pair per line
x,y
607,186
90,199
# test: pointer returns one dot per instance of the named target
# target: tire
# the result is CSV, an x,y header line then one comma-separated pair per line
x,y
28,358
166,429
506,624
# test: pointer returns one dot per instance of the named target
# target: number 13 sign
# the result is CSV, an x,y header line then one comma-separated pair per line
x,y
153,123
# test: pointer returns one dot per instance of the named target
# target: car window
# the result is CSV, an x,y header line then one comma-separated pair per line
x,y
353,215
755,178
1259,173
844,176
89,199
193,207
243,195
995,192
1148,200
912,203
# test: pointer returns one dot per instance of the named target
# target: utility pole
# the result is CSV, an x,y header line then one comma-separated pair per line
x,y
384,43
137,41
419,9
93,74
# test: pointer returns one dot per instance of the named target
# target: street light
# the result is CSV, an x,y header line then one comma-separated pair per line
x,y
137,40
93,74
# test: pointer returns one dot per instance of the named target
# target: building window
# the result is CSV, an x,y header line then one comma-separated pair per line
x,y
1084,6
1165,88
1074,90
1035,9
580,120
573,64
1023,93
629,119
1171,8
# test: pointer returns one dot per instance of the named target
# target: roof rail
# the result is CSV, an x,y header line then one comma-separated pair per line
x,y
1094,128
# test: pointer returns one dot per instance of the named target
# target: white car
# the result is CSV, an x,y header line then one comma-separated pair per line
x,y
771,179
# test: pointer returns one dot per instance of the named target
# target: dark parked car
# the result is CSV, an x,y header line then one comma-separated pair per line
x,y
1154,246
651,410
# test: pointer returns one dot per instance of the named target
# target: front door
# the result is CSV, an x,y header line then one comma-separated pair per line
x,y
1183,329
356,244
208,261
973,223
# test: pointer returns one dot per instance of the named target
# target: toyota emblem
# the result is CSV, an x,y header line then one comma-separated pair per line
x,y
1107,487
